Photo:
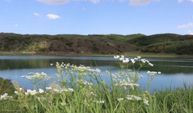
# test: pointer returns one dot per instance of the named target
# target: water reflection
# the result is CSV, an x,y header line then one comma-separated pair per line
x,y
168,66
175,72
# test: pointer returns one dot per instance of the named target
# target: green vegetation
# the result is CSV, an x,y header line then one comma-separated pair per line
x,y
81,89
6,86
170,101
96,44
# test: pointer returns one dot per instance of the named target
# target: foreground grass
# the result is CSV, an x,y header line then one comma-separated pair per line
x,y
176,101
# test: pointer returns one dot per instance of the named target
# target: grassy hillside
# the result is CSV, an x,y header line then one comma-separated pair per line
x,y
165,43
97,44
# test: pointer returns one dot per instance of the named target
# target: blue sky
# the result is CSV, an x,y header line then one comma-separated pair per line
x,y
96,16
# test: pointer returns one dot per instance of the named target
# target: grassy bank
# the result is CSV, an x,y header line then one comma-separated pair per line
x,y
81,89
79,101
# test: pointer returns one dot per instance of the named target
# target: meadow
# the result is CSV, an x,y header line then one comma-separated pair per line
x,y
80,89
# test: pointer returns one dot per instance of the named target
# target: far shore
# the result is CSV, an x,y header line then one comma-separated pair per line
x,y
130,54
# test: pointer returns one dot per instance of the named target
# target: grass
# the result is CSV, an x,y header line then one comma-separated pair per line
x,y
175,101
6,86
82,90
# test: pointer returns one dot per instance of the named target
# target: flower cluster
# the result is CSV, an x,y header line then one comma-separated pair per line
x,y
80,68
133,60
84,82
37,76
34,92
152,73
41,91
126,84
5,96
129,78
125,78
134,98
62,90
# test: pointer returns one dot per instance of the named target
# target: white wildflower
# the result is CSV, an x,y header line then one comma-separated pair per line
x,y
116,57
146,102
143,61
51,64
37,76
5,97
139,57
57,90
133,97
20,89
152,73
31,92
124,83
100,102
16,92
133,61
120,99
126,60
41,91
48,88
121,59
86,82
60,90
70,90
150,64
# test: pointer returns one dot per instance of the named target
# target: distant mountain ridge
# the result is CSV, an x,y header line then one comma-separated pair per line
x,y
97,44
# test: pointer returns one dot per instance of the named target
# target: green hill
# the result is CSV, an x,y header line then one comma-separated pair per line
x,y
165,43
97,44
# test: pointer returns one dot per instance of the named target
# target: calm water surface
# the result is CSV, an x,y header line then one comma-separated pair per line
x,y
176,72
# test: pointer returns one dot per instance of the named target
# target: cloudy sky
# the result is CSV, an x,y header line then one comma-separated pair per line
x,y
96,16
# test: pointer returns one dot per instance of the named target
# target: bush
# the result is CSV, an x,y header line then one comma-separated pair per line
x,y
6,86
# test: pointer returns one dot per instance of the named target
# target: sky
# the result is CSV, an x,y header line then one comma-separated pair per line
x,y
96,16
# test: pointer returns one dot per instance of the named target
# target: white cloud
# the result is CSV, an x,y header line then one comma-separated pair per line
x,y
186,26
36,14
180,1
94,1
53,16
61,2
139,2
52,2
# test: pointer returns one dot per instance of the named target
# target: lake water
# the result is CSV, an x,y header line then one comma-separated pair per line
x,y
176,72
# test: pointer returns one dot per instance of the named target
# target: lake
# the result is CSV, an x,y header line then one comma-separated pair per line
x,y
176,72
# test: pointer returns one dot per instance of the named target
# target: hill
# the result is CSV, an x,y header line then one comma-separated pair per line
x,y
97,44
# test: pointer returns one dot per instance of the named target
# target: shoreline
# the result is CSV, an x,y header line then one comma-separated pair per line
x,y
129,54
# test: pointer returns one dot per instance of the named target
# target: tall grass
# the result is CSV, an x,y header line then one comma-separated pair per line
x,y
81,89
